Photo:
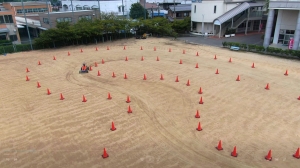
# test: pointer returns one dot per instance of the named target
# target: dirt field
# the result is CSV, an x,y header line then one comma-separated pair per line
x,y
40,130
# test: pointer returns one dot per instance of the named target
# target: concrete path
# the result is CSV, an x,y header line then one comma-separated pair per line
x,y
254,38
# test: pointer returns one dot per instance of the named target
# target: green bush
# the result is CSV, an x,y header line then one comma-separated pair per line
x,y
261,49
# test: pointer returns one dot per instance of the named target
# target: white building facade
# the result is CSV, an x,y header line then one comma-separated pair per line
x,y
211,16
287,25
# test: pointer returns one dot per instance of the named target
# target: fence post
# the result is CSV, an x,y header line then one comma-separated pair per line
x,y
102,39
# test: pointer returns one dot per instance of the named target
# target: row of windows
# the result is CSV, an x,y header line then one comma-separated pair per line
x,y
68,19
6,19
33,10
215,9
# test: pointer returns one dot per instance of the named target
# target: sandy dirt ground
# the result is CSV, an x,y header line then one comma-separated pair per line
x,y
40,130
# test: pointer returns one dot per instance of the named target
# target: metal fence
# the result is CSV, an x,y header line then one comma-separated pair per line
x,y
25,46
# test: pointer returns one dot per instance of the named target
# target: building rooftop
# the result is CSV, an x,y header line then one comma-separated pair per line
x,y
75,11
28,3
181,7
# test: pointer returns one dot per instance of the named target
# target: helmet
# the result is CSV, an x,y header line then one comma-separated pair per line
x,y
83,64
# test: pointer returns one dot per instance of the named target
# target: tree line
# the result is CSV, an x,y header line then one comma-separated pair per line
x,y
109,27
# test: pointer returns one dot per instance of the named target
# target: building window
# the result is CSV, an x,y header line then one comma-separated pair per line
x,y
68,19
6,19
46,20
13,37
121,8
215,9
87,17
32,10
194,8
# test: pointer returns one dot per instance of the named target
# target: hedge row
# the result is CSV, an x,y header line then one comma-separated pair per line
x,y
17,48
261,49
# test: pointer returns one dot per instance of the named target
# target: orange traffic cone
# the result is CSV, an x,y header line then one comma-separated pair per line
x,y
180,62
61,97
96,64
48,91
83,98
141,48
199,128
253,65
215,57
183,52
201,101
129,109
39,63
124,48
113,74
99,74
102,61
113,126
105,155
157,59
38,85
126,59
69,53
27,70
96,48
197,54
197,114
269,156
197,66
170,50
230,60
297,154
267,87
125,76
217,71
188,83
162,78
238,78
233,153
128,99
154,48
108,96
81,50
200,91
177,80
107,48
91,68
286,73
54,58
142,59
145,77
27,78
219,147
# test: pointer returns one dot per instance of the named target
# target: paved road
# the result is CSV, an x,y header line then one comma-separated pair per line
x,y
249,39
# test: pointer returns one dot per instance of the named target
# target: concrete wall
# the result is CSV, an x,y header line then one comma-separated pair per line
x,y
208,27
53,16
206,8
286,19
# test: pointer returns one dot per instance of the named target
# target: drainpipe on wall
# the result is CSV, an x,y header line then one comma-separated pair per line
x,y
27,25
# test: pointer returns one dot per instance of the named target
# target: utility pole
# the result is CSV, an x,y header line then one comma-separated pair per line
x,y
145,9
99,9
123,8
174,10
73,20
48,14
27,25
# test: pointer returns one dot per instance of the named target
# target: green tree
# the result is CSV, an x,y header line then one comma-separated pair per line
x,y
181,26
137,11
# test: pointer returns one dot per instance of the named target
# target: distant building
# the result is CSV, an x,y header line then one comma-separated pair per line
x,y
50,21
283,25
214,17
179,11
8,25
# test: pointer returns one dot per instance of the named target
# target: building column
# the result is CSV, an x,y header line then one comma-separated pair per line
x,y
248,13
251,26
191,26
297,34
213,29
269,28
277,27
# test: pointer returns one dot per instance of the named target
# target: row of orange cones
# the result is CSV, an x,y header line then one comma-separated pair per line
x,y
124,48
219,147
